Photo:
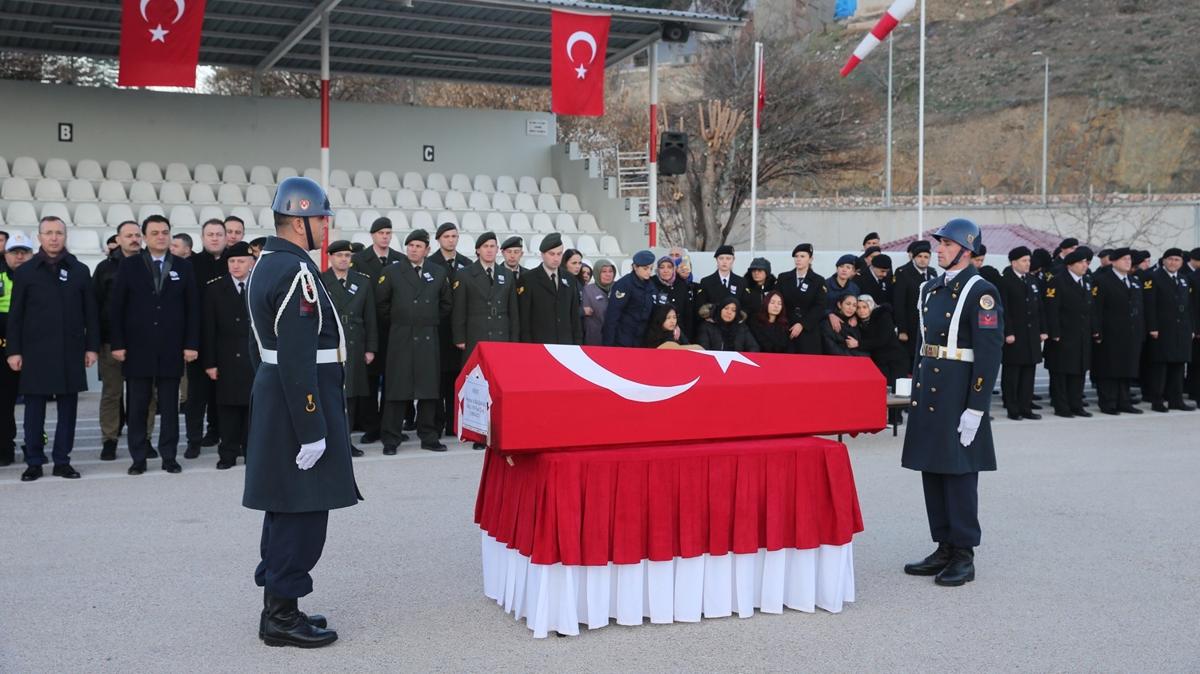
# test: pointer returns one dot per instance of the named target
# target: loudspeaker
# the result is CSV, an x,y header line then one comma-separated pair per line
x,y
675,32
672,153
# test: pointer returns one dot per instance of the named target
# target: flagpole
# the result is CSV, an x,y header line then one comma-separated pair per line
x,y
921,131
652,155
325,126
758,54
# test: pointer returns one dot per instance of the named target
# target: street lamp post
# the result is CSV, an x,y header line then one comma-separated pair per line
x,y
1045,121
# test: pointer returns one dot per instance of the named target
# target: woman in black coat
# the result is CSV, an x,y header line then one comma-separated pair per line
x,y
846,341
663,328
878,330
770,327
803,293
724,328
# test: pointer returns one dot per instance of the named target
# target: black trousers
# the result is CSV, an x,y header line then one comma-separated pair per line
x,y
138,389
1164,383
444,418
201,399
9,383
1193,371
1016,384
952,505
393,421
234,423
291,546
1112,393
1066,392
64,430
370,414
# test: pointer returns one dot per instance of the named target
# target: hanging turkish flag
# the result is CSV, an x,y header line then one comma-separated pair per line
x,y
160,42
578,43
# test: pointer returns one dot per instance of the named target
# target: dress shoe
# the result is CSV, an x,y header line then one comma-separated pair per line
x,y
1159,407
368,438
1182,406
285,625
1112,412
1037,396
151,452
31,473
1014,416
1065,415
172,467
224,465
1129,410
1035,406
931,565
1086,404
355,451
478,445
192,451
137,468
434,446
65,470
210,440
389,450
316,619
1033,416
1133,400
410,425
960,570
109,451
1081,413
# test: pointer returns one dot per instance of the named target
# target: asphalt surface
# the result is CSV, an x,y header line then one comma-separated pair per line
x,y
1088,563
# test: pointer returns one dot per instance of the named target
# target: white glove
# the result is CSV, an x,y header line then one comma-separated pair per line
x,y
968,425
309,454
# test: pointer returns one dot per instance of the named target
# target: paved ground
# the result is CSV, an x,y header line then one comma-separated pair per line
x,y
1088,564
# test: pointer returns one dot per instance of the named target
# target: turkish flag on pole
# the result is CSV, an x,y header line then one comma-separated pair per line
x,y
578,43
160,42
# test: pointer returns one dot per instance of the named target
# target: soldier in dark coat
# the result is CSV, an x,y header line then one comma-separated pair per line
x,y
1024,332
549,299
840,283
1192,273
298,464
225,352
1120,329
720,284
908,280
512,249
876,280
156,313
631,303
53,336
372,261
412,297
448,257
803,292
353,294
1067,305
1170,305
987,271
949,438
485,300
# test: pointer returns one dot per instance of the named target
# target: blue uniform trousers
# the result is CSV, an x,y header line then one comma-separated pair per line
x,y
35,427
291,546
952,504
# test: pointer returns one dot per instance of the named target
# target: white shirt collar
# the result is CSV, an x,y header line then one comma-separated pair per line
x,y
1077,278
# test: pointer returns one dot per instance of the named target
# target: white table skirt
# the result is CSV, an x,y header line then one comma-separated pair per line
x,y
554,597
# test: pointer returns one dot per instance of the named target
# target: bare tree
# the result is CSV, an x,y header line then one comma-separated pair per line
x,y
1101,221
52,69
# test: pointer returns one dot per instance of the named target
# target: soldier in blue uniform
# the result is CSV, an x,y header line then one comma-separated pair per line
x,y
298,464
949,438
630,304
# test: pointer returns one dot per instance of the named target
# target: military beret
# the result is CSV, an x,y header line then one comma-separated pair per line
x,y
803,248
643,258
339,246
1080,253
871,250
1194,254
849,259
357,247
111,240
760,263
1104,252
920,246
242,249
982,251
1173,252
417,235
1118,253
512,242
1039,259
882,261
550,242
1018,253
484,238
723,250
1140,256
1069,242
445,227
380,224
872,235
259,242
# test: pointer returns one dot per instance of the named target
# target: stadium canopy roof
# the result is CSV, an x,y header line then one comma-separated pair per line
x,y
481,41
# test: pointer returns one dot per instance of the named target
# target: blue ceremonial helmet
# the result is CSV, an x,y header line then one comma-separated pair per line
x,y
301,197
963,232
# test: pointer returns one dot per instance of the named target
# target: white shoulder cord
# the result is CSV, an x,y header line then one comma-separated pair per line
x,y
952,336
308,290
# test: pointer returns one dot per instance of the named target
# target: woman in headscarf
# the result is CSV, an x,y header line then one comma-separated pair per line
x,y
585,273
769,326
879,340
595,302
723,327
672,290
844,340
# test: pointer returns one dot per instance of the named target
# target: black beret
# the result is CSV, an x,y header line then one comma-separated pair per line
x,y
982,251
553,240
259,242
1069,242
760,263
871,250
1039,259
882,261
847,259
1018,253
1118,253
242,249
339,246
1104,252
484,238
1194,254
918,247
872,235
111,239
1140,256
357,247
723,250
1173,252
1080,253
803,248
512,242
445,227
380,223
417,235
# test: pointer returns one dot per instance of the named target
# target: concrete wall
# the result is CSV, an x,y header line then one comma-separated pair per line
x,y
194,129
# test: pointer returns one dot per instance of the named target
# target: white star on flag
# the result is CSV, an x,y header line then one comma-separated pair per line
x,y
158,34
581,71
726,358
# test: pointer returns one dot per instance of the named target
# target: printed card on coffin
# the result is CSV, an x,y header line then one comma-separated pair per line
x,y
550,397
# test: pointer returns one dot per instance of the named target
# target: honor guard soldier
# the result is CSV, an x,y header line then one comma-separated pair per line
x,y
1120,328
448,257
1067,304
949,438
1023,334
225,354
353,294
298,465
1169,300
549,299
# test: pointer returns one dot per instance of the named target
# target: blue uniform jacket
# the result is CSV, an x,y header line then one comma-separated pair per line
x,y
629,307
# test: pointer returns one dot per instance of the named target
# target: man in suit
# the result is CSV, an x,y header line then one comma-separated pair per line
x,y
155,312
372,261
1023,334
225,352
353,295
235,230
207,265
512,249
53,337
1120,328
721,283
1170,323
908,280
549,299
412,297
448,257
1067,305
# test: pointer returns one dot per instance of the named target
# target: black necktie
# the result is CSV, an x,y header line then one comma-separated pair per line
x,y
417,269
489,273
383,261
554,281
158,267
241,288
346,283
725,282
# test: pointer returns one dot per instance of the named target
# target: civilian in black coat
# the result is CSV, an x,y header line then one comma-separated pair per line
x,y
724,328
877,331
759,283
225,352
769,326
155,331
53,336
209,264
1120,330
803,293
1067,306
844,339
906,290
1024,332
1169,300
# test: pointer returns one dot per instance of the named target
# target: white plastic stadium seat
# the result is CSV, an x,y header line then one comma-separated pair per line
x,y
89,169
368,216
16,188
210,213
178,173
466,245
151,209
471,222
568,243
314,174
85,241
261,175
381,198
234,174
183,216
388,180
58,211
550,186
495,223
478,201
335,197
230,195
4,172
258,195
246,215
112,192
266,218
48,189
460,182
431,200
142,192
423,220
609,246
455,201
356,198
587,223
150,172
365,180
118,169
587,245
285,172
413,181
528,185
399,221
502,202
506,184
525,203
444,217
344,219
406,198
26,167
569,203
436,181
547,204
361,237
58,169
205,173
116,214
542,223
520,223
483,183
201,193
565,223
21,214
169,193
88,215
339,178
535,242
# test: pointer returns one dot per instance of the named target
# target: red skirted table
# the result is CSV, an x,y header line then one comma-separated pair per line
x,y
673,533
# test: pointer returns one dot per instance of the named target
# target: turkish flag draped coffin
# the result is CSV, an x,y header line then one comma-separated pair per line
x,y
538,397
578,43
160,42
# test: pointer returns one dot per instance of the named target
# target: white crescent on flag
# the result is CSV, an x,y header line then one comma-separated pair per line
x,y
586,38
180,7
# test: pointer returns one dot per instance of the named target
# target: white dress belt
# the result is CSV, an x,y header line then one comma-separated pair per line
x,y
323,356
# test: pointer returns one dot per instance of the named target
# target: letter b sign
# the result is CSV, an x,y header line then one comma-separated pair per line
x,y
66,132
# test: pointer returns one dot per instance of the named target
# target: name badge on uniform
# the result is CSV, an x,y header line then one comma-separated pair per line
x,y
733,288
352,289
660,299
500,279
62,274
565,282
460,266
804,286
620,295
428,277
174,275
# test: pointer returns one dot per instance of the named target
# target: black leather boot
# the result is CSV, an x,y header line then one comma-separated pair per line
x,y
284,625
960,570
316,619
931,565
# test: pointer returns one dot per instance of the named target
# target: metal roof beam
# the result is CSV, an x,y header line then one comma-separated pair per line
x,y
298,33
456,21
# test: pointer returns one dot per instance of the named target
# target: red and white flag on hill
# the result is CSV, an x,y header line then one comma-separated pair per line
x,y
890,19
578,43
160,42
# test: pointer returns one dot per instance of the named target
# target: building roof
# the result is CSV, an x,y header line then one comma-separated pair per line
x,y
999,239
484,41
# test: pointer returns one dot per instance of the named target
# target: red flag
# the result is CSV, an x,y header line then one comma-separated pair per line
x,y
762,89
578,43
160,42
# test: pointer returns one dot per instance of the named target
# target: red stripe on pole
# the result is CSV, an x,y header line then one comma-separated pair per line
x,y
850,65
324,113
887,22
653,133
